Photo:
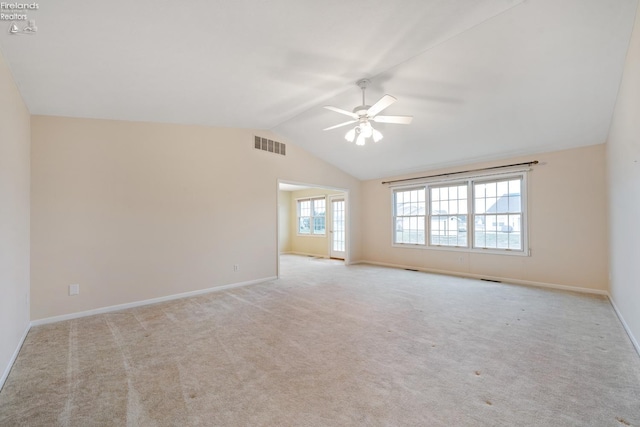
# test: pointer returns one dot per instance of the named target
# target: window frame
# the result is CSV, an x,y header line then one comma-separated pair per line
x,y
395,216
470,182
311,216
448,184
522,213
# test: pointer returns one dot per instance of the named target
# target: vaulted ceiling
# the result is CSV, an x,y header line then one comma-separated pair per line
x,y
484,79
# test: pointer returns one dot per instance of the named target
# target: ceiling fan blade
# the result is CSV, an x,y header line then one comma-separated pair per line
x,y
341,124
400,120
338,110
383,103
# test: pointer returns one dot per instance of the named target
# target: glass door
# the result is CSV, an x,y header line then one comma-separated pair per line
x,y
338,230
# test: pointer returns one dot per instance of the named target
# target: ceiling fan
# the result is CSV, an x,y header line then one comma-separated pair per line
x,y
364,114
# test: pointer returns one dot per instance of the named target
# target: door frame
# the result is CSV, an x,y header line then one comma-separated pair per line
x,y
345,191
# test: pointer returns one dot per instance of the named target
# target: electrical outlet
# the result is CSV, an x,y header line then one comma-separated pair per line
x,y
74,289
236,267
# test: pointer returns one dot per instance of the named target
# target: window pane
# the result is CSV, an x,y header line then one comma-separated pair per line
x,y
318,225
503,188
462,206
318,207
448,223
514,186
304,208
453,207
410,206
491,189
453,193
514,203
490,204
498,219
304,225
462,192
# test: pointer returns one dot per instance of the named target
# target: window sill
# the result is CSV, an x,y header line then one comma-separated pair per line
x,y
462,249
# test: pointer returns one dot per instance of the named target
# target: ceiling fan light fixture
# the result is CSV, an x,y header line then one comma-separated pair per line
x,y
366,129
351,135
361,132
377,135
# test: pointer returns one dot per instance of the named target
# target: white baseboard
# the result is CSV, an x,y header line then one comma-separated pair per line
x,y
496,278
309,254
624,325
118,307
5,374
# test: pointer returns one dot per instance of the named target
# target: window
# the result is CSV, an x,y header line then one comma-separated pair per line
x,y
311,216
497,214
477,213
409,216
448,215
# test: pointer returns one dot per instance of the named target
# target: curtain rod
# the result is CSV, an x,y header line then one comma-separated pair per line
x,y
534,162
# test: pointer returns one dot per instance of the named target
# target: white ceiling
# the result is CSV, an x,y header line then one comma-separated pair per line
x,y
484,79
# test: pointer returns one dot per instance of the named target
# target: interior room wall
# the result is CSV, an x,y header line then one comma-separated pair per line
x,y
567,223
309,245
134,211
284,221
14,219
623,161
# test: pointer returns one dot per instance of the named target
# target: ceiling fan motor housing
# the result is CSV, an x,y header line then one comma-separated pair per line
x,y
361,110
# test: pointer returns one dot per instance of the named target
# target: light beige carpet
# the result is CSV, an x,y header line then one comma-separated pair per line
x,y
329,345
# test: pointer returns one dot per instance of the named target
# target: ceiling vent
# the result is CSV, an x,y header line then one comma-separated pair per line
x,y
270,145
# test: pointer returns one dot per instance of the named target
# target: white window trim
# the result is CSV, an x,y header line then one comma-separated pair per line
x,y
393,216
451,183
469,179
524,196
311,199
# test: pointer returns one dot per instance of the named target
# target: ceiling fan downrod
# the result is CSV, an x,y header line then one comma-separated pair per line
x,y
362,84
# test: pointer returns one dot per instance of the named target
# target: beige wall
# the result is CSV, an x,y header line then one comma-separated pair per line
x,y
284,221
567,220
134,211
309,245
623,160
14,219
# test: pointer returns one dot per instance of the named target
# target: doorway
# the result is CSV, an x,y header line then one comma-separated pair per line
x,y
312,221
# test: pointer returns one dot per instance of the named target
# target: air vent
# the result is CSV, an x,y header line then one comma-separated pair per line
x,y
270,145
